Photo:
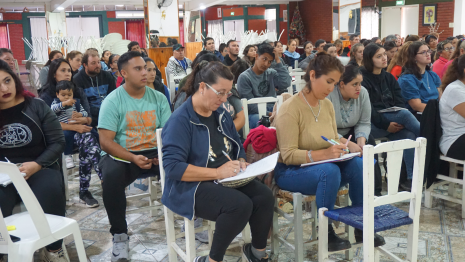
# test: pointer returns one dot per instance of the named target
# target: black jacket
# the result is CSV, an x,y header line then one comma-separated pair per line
x,y
53,136
95,89
430,128
345,51
384,93
228,61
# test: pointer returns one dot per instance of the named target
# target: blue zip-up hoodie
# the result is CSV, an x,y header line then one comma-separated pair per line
x,y
187,141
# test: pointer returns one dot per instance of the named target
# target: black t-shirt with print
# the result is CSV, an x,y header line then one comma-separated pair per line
x,y
218,143
20,138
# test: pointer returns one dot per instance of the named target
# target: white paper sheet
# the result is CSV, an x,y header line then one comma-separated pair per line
x,y
261,167
391,109
5,179
340,159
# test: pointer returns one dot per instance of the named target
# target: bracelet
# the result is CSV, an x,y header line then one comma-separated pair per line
x,y
310,156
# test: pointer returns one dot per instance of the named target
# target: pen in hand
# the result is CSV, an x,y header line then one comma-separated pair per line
x,y
226,154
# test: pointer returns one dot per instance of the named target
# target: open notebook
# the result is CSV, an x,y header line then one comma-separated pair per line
x,y
261,167
340,159
5,179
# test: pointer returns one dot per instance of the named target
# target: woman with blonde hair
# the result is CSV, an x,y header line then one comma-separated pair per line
x,y
356,55
398,61
338,43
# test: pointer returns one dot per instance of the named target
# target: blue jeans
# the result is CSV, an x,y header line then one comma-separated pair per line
x,y
254,118
411,131
69,141
323,180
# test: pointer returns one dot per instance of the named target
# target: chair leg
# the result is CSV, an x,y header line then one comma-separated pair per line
x,y
463,197
81,251
322,235
211,228
453,174
315,220
429,197
298,228
349,254
152,197
190,239
170,234
65,176
246,234
275,231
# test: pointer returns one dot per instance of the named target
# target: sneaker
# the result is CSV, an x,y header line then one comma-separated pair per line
x,y
57,256
120,251
201,259
335,243
69,161
379,240
248,256
87,198
201,236
406,185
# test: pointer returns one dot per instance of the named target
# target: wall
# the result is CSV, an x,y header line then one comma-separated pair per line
x,y
20,27
317,16
445,15
166,21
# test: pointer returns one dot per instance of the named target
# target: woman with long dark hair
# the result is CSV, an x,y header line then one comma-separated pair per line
x,y
278,46
398,61
249,55
308,50
444,53
105,55
418,82
385,93
459,50
75,60
194,139
55,54
31,137
153,81
391,49
452,110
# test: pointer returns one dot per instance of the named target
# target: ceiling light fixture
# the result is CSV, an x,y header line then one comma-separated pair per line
x,y
60,8
202,7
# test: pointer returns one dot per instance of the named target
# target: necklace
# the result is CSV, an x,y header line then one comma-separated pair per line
x,y
319,108
427,81
98,90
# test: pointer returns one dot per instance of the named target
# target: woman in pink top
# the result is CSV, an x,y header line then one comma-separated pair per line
x,y
459,50
444,53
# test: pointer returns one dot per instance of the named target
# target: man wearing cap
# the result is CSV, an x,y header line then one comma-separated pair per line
x,y
178,65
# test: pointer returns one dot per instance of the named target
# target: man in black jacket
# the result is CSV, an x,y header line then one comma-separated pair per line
x,y
233,55
95,82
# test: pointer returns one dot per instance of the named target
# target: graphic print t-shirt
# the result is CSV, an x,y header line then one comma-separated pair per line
x,y
20,138
218,143
135,121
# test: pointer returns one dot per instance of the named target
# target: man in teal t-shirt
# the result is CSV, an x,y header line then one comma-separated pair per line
x,y
128,121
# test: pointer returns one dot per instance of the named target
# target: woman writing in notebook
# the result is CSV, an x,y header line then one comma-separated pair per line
x,y
385,93
301,122
198,142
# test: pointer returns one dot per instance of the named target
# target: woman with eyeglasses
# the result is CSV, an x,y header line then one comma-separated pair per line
x,y
418,83
443,55
459,50
113,65
199,141
385,93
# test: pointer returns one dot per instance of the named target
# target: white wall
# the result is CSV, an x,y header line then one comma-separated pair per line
x,y
167,25
344,12
459,19
391,21
409,25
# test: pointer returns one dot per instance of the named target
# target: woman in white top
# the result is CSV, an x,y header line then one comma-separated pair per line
x,y
452,110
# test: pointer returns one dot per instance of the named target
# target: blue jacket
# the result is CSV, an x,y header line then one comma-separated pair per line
x,y
219,55
187,141
412,88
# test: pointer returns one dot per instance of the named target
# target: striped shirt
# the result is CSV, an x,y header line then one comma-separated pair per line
x,y
61,110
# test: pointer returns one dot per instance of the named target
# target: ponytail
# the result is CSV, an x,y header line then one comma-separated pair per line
x,y
454,72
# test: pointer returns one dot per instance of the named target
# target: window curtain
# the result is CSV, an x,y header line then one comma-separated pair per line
x,y
370,22
135,31
4,36
215,31
39,32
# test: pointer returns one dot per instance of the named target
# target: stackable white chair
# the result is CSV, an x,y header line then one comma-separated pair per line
x,y
261,103
455,166
172,85
299,81
387,216
173,248
34,228
154,194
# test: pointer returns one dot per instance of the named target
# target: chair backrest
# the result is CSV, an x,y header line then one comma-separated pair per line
x,y
167,74
17,67
279,103
394,150
160,159
29,200
298,82
261,104
344,60
172,85
296,63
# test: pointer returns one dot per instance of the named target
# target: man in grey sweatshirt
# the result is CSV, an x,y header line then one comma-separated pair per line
x,y
262,81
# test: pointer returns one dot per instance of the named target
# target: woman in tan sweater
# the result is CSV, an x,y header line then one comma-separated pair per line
x,y
301,122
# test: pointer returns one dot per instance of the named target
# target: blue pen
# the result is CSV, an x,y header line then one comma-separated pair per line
x,y
327,140
335,142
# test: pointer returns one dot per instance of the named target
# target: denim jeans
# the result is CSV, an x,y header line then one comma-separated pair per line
x,y
69,141
411,131
254,118
323,180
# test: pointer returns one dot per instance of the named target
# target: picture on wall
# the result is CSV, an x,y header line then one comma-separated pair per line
x,y
284,15
429,14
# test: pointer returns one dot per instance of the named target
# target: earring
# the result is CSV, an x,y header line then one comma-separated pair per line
x,y
201,93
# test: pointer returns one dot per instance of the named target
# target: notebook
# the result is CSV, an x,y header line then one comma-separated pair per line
x,y
5,179
261,167
340,159
391,109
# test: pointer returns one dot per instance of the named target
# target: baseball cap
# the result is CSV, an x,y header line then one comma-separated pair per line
x,y
177,47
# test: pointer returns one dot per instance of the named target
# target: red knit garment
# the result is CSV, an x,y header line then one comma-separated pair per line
x,y
263,139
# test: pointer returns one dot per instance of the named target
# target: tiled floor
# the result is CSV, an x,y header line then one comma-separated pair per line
x,y
442,233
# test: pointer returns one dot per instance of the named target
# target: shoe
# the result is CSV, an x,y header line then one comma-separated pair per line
x,y
87,198
406,185
69,161
57,256
248,256
201,259
120,251
379,240
378,193
201,236
335,243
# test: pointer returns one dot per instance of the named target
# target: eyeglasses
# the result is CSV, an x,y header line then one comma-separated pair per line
x,y
449,49
219,94
425,53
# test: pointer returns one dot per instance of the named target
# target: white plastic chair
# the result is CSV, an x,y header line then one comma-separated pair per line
x,y
261,103
299,82
395,151
452,180
173,85
173,248
35,228
153,193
